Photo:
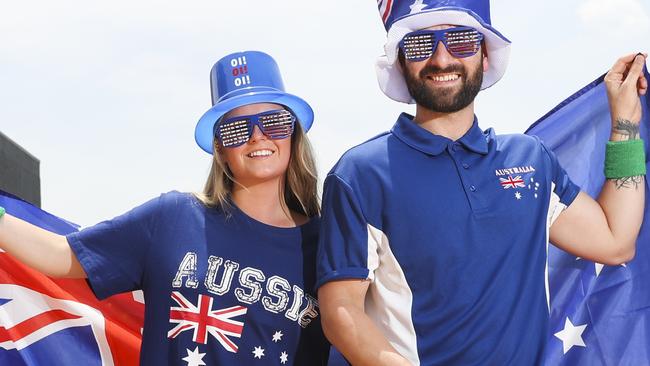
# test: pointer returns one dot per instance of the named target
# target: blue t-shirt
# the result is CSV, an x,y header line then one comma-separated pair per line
x,y
453,237
219,289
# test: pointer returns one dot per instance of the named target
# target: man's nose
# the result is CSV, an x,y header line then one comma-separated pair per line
x,y
441,57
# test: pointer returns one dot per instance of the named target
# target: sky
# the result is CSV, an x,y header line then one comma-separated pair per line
x,y
107,94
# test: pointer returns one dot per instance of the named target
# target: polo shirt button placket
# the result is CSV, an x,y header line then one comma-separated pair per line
x,y
465,166
472,188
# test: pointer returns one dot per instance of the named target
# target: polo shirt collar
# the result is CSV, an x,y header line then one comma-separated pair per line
x,y
420,139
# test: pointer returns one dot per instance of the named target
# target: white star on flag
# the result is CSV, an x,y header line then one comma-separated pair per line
x,y
284,357
518,195
258,352
571,335
599,268
194,358
417,6
277,336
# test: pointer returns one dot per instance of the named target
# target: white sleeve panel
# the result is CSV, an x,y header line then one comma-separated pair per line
x,y
374,242
555,208
389,300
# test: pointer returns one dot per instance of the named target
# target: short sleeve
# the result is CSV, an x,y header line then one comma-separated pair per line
x,y
564,191
343,250
113,252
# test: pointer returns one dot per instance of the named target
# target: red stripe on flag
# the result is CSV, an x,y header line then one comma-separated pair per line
x,y
180,300
389,4
230,343
228,310
32,324
205,304
184,327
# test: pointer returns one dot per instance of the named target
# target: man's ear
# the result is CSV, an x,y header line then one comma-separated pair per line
x,y
401,59
486,63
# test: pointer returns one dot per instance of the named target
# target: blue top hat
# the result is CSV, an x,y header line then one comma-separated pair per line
x,y
401,17
246,78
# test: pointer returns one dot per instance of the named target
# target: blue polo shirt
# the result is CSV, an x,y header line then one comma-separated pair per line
x,y
452,236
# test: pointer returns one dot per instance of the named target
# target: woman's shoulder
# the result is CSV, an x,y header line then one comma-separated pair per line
x,y
177,197
175,201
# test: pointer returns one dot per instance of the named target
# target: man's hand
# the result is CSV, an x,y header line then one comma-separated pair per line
x,y
625,82
347,326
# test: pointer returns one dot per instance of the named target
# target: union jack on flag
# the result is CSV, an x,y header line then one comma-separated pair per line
x,y
511,182
385,8
203,320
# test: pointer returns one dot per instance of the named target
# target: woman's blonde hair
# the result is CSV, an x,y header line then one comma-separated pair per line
x,y
300,185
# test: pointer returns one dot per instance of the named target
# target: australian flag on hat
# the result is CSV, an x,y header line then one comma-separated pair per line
x,y
385,8
401,17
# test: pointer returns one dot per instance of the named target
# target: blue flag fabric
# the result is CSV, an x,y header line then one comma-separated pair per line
x,y
600,315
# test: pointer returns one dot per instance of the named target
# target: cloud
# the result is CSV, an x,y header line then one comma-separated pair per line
x,y
622,17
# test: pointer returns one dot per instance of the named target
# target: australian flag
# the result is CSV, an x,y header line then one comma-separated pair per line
x,y
600,315
44,321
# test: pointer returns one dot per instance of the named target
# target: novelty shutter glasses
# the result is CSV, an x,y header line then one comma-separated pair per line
x,y
461,42
236,131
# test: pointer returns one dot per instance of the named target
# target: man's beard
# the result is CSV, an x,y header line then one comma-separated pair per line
x,y
441,99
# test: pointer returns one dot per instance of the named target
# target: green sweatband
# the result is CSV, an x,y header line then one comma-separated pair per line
x,y
2,211
624,159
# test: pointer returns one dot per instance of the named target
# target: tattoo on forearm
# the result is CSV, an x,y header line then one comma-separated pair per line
x,y
627,128
628,182
630,130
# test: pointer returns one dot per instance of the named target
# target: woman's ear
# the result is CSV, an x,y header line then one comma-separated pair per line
x,y
220,156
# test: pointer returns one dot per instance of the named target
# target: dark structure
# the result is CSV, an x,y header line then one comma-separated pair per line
x,y
19,171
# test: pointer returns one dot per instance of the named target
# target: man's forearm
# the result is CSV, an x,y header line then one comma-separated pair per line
x,y
622,199
355,335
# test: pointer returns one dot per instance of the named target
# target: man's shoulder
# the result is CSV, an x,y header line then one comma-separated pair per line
x,y
522,147
365,149
516,141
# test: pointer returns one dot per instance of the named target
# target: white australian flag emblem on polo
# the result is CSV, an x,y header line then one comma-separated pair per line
x,y
511,182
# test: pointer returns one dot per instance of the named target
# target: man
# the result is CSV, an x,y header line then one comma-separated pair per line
x,y
434,240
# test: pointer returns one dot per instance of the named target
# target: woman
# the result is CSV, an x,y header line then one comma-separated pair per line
x,y
228,274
